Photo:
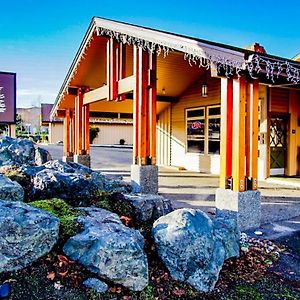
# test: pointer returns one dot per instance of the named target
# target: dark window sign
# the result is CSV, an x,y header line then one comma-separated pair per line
x,y
7,98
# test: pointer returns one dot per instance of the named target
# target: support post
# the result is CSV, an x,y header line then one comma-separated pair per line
x,y
81,156
144,172
239,150
68,155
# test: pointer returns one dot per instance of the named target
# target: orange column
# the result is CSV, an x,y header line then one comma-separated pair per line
x,y
144,107
252,134
78,122
226,132
72,128
238,133
67,133
86,110
152,106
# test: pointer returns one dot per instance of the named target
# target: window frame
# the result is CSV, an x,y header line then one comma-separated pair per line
x,y
206,117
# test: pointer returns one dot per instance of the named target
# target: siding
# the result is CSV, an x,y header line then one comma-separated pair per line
x,y
56,132
112,133
163,137
192,98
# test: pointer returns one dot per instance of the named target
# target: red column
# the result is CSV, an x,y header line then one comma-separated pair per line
x,y
144,107
78,122
67,133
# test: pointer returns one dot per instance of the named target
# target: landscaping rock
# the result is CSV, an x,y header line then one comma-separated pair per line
x,y
10,190
110,249
72,182
26,234
21,151
96,284
148,207
193,247
41,156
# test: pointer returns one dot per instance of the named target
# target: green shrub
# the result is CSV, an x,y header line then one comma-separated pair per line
x,y
66,214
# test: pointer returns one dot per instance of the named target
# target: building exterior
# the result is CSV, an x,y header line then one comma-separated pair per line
x,y
197,104
112,127
30,118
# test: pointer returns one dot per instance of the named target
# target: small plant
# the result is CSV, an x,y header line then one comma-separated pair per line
x,y
94,131
66,214
122,142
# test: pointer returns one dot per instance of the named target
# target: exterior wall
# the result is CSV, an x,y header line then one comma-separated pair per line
x,y
112,133
287,101
190,99
263,146
56,132
163,137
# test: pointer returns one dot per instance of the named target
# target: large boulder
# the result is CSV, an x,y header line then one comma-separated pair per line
x,y
26,234
193,247
110,249
10,190
21,151
69,181
147,207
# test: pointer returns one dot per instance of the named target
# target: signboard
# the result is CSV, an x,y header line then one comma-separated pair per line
x,y
7,98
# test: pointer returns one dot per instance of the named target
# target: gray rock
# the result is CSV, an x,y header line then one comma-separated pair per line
x,y
110,249
41,156
226,231
21,151
148,207
26,234
193,247
10,190
96,284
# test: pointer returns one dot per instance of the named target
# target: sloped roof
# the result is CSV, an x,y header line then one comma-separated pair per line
x,y
196,51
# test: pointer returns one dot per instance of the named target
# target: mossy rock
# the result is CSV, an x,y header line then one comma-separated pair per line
x,y
66,214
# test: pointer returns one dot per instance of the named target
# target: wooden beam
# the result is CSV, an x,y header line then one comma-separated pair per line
x,y
238,133
126,85
95,95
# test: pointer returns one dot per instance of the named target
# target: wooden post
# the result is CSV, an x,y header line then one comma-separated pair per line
x,y
144,107
78,122
238,133
86,109
112,68
67,133
226,131
72,129
152,105
136,113
122,67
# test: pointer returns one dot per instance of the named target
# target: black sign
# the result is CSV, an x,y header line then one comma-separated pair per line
x,y
7,98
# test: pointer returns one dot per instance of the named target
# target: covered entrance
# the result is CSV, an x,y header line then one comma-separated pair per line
x,y
278,144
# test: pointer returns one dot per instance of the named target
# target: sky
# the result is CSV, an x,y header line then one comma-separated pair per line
x,y
39,39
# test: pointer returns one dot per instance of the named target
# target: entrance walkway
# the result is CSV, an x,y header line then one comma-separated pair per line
x,y
190,189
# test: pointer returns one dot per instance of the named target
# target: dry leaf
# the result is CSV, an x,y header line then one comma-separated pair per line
x,y
63,274
51,275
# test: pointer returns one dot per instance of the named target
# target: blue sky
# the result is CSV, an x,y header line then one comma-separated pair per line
x,y
38,39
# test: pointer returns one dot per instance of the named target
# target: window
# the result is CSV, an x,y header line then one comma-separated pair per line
x,y
195,130
203,129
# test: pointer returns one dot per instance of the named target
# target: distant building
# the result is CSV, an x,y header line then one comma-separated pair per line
x,y
112,126
30,118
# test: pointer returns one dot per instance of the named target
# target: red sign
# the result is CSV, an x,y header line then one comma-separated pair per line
x,y
7,97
